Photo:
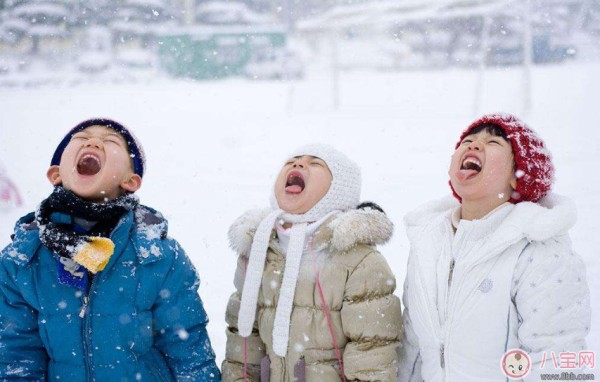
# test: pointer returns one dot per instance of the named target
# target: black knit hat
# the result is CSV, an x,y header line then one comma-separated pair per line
x,y
135,148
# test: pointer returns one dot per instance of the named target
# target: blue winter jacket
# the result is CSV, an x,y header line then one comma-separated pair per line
x,y
143,320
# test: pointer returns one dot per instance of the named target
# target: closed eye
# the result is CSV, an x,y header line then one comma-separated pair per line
x,y
466,141
80,136
112,140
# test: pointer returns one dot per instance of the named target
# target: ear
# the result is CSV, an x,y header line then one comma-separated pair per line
x,y
513,182
53,175
132,184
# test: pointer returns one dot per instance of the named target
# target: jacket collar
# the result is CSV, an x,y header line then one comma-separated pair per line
x,y
339,233
149,230
552,216
25,240
148,238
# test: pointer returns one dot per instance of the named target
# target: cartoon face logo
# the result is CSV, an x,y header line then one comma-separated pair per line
x,y
515,364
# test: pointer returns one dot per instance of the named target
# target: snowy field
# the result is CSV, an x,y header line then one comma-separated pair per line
x,y
213,148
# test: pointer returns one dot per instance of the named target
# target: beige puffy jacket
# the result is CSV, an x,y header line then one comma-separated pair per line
x,y
358,286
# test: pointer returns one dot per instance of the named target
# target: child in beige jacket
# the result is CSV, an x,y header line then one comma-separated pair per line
x,y
314,298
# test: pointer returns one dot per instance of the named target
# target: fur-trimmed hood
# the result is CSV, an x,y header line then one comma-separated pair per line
x,y
339,233
552,216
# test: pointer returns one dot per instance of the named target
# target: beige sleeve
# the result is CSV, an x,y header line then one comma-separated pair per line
x,y
371,317
233,364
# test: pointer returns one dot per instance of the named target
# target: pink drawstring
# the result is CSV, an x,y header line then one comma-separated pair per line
x,y
326,309
245,338
336,348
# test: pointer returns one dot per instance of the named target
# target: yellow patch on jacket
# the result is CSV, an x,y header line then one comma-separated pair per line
x,y
95,255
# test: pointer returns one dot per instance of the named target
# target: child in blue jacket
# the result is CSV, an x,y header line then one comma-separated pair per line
x,y
91,287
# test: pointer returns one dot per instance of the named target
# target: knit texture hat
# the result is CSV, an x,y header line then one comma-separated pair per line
x,y
343,194
135,148
533,163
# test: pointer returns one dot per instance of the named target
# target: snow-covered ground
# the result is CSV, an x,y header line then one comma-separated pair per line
x,y
213,148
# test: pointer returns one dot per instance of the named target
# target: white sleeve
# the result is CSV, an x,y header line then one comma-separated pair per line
x,y
410,355
552,298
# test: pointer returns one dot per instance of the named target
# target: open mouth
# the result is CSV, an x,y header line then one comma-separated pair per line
x,y
89,164
470,167
294,183
471,163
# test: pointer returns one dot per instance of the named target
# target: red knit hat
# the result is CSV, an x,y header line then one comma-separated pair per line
x,y
533,164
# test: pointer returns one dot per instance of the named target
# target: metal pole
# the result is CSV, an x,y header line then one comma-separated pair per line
x,y
189,8
335,70
485,31
527,56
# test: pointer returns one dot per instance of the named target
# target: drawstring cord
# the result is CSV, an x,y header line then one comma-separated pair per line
x,y
245,338
326,309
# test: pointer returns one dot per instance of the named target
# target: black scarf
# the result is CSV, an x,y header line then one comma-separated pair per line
x,y
61,238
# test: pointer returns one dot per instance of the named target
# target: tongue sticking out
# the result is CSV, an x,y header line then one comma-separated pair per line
x,y
466,174
88,165
294,185
469,169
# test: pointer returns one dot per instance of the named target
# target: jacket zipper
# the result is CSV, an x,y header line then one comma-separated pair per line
x,y
450,275
87,328
442,346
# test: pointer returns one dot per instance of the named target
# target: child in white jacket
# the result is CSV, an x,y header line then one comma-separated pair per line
x,y
495,271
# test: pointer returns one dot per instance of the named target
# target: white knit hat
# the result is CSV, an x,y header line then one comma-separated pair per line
x,y
343,194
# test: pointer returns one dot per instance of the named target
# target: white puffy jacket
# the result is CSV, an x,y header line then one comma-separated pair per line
x,y
509,280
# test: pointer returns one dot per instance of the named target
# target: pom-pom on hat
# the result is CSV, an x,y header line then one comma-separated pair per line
x,y
533,163
135,148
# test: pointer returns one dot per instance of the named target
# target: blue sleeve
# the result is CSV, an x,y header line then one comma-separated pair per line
x,y
180,322
22,353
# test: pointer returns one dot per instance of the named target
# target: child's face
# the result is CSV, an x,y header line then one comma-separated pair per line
x,y
482,168
302,182
96,165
